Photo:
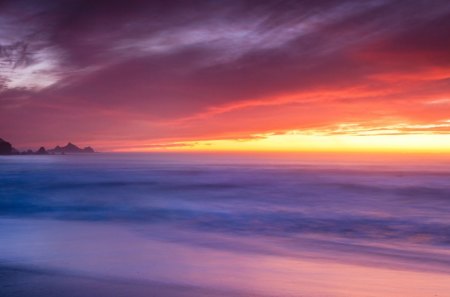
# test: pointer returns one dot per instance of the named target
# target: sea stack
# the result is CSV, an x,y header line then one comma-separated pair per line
x,y
88,149
70,148
41,151
5,147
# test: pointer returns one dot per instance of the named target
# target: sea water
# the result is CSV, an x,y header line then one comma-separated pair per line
x,y
299,225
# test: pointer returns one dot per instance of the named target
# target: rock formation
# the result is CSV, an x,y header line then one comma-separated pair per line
x,y
5,147
41,151
71,148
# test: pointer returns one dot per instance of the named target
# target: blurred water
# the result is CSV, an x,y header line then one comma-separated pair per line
x,y
304,225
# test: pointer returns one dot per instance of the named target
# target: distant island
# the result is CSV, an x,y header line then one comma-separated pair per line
x,y
6,148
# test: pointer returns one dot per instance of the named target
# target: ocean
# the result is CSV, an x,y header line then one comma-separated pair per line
x,y
268,225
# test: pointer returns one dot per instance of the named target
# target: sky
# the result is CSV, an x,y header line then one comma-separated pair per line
x,y
226,75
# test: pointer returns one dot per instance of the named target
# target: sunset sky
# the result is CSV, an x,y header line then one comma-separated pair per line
x,y
226,75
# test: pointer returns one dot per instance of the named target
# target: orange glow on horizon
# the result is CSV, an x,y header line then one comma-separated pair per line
x,y
294,141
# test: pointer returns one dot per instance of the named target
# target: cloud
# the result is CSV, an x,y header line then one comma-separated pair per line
x,y
146,69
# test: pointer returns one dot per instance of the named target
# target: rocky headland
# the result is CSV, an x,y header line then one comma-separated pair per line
x,y
6,148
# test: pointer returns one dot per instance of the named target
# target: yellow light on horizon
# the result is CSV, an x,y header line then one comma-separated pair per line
x,y
297,142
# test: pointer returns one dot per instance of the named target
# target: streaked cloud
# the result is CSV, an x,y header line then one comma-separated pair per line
x,y
159,73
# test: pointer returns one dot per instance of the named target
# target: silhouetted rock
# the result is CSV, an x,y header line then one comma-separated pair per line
x,y
57,149
70,148
41,151
88,149
5,147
